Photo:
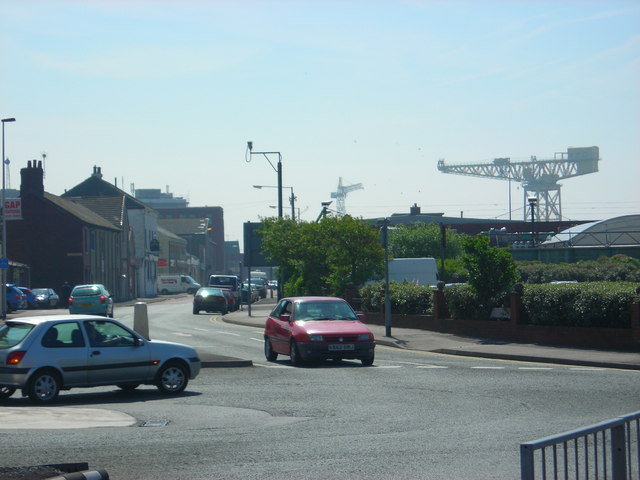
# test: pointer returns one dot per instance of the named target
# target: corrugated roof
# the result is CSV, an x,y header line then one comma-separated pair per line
x,y
166,233
623,230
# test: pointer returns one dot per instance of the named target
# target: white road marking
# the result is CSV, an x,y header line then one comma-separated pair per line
x,y
270,366
488,368
201,329
261,340
587,369
229,333
431,366
535,368
180,334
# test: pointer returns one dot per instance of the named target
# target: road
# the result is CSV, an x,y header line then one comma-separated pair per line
x,y
412,415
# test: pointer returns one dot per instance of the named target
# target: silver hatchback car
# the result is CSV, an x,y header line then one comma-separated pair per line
x,y
43,355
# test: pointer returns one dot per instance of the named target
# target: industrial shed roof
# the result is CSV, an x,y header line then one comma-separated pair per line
x,y
617,231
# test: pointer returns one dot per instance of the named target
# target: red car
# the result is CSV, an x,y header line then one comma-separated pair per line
x,y
317,328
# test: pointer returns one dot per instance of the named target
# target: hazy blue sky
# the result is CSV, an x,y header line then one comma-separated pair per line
x,y
167,93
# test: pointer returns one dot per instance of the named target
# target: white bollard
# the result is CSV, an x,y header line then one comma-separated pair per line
x,y
141,319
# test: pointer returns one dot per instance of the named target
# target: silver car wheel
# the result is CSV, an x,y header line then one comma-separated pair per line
x,y
44,388
172,379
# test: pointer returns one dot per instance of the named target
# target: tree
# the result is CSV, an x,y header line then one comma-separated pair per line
x,y
423,240
323,257
492,271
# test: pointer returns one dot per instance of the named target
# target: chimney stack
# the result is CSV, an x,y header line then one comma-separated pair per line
x,y
31,179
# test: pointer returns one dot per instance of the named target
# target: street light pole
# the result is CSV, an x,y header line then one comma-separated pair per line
x,y
278,170
384,224
532,205
3,268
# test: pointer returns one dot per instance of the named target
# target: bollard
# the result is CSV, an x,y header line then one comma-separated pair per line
x,y
83,475
141,319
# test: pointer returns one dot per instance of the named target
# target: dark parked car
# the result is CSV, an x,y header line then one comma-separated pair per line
x,y
15,298
29,296
210,299
317,328
43,355
46,297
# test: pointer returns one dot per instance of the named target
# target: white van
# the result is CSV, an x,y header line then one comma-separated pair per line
x,y
176,284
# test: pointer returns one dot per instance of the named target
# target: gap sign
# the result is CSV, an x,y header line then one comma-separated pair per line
x,y
13,208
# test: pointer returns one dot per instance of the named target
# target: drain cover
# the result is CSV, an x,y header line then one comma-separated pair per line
x,y
155,423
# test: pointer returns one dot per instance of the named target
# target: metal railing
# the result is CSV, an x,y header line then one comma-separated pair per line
x,y
607,450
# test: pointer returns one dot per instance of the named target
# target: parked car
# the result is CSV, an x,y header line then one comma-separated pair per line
x,y
15,298
317,328
210,299
46,297
29,297
92,299
43,355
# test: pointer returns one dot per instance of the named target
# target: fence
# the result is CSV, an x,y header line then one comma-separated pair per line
x,y
607,450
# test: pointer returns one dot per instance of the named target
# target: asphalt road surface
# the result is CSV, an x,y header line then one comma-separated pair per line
x,y
412,415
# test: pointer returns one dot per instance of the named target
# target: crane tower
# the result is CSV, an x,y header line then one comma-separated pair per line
x,y
539,178
341,194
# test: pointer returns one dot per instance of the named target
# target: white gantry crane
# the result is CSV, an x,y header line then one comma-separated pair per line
x,y
341,194
539,178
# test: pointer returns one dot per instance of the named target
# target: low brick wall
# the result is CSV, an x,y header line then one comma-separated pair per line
x,y
606,338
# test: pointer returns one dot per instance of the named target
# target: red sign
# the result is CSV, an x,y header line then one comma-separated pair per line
x,y
13,208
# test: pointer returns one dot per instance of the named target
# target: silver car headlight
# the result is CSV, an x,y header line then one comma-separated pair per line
x,y
316,338
364,337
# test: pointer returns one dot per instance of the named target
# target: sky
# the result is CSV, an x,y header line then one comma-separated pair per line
x,y
166,94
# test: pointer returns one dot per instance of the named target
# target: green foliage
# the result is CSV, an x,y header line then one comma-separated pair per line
x,y
464,303
618,268
597,304
318,258
492,272
406,298
419,240
454,271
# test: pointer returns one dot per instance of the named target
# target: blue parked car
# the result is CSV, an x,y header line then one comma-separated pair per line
x,y
15,298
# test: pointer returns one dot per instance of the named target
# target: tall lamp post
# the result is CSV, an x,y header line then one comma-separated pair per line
x,y
384,227
4,260
277,169
292,198
532,205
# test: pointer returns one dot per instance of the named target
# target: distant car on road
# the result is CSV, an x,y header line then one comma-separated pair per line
x,y
210,299
46,297
92,299
249,296
43,355
317,328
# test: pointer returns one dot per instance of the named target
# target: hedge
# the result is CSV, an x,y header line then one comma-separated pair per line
x,y
406,298
592,304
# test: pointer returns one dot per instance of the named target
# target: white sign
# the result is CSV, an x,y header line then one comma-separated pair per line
x,y
13,208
